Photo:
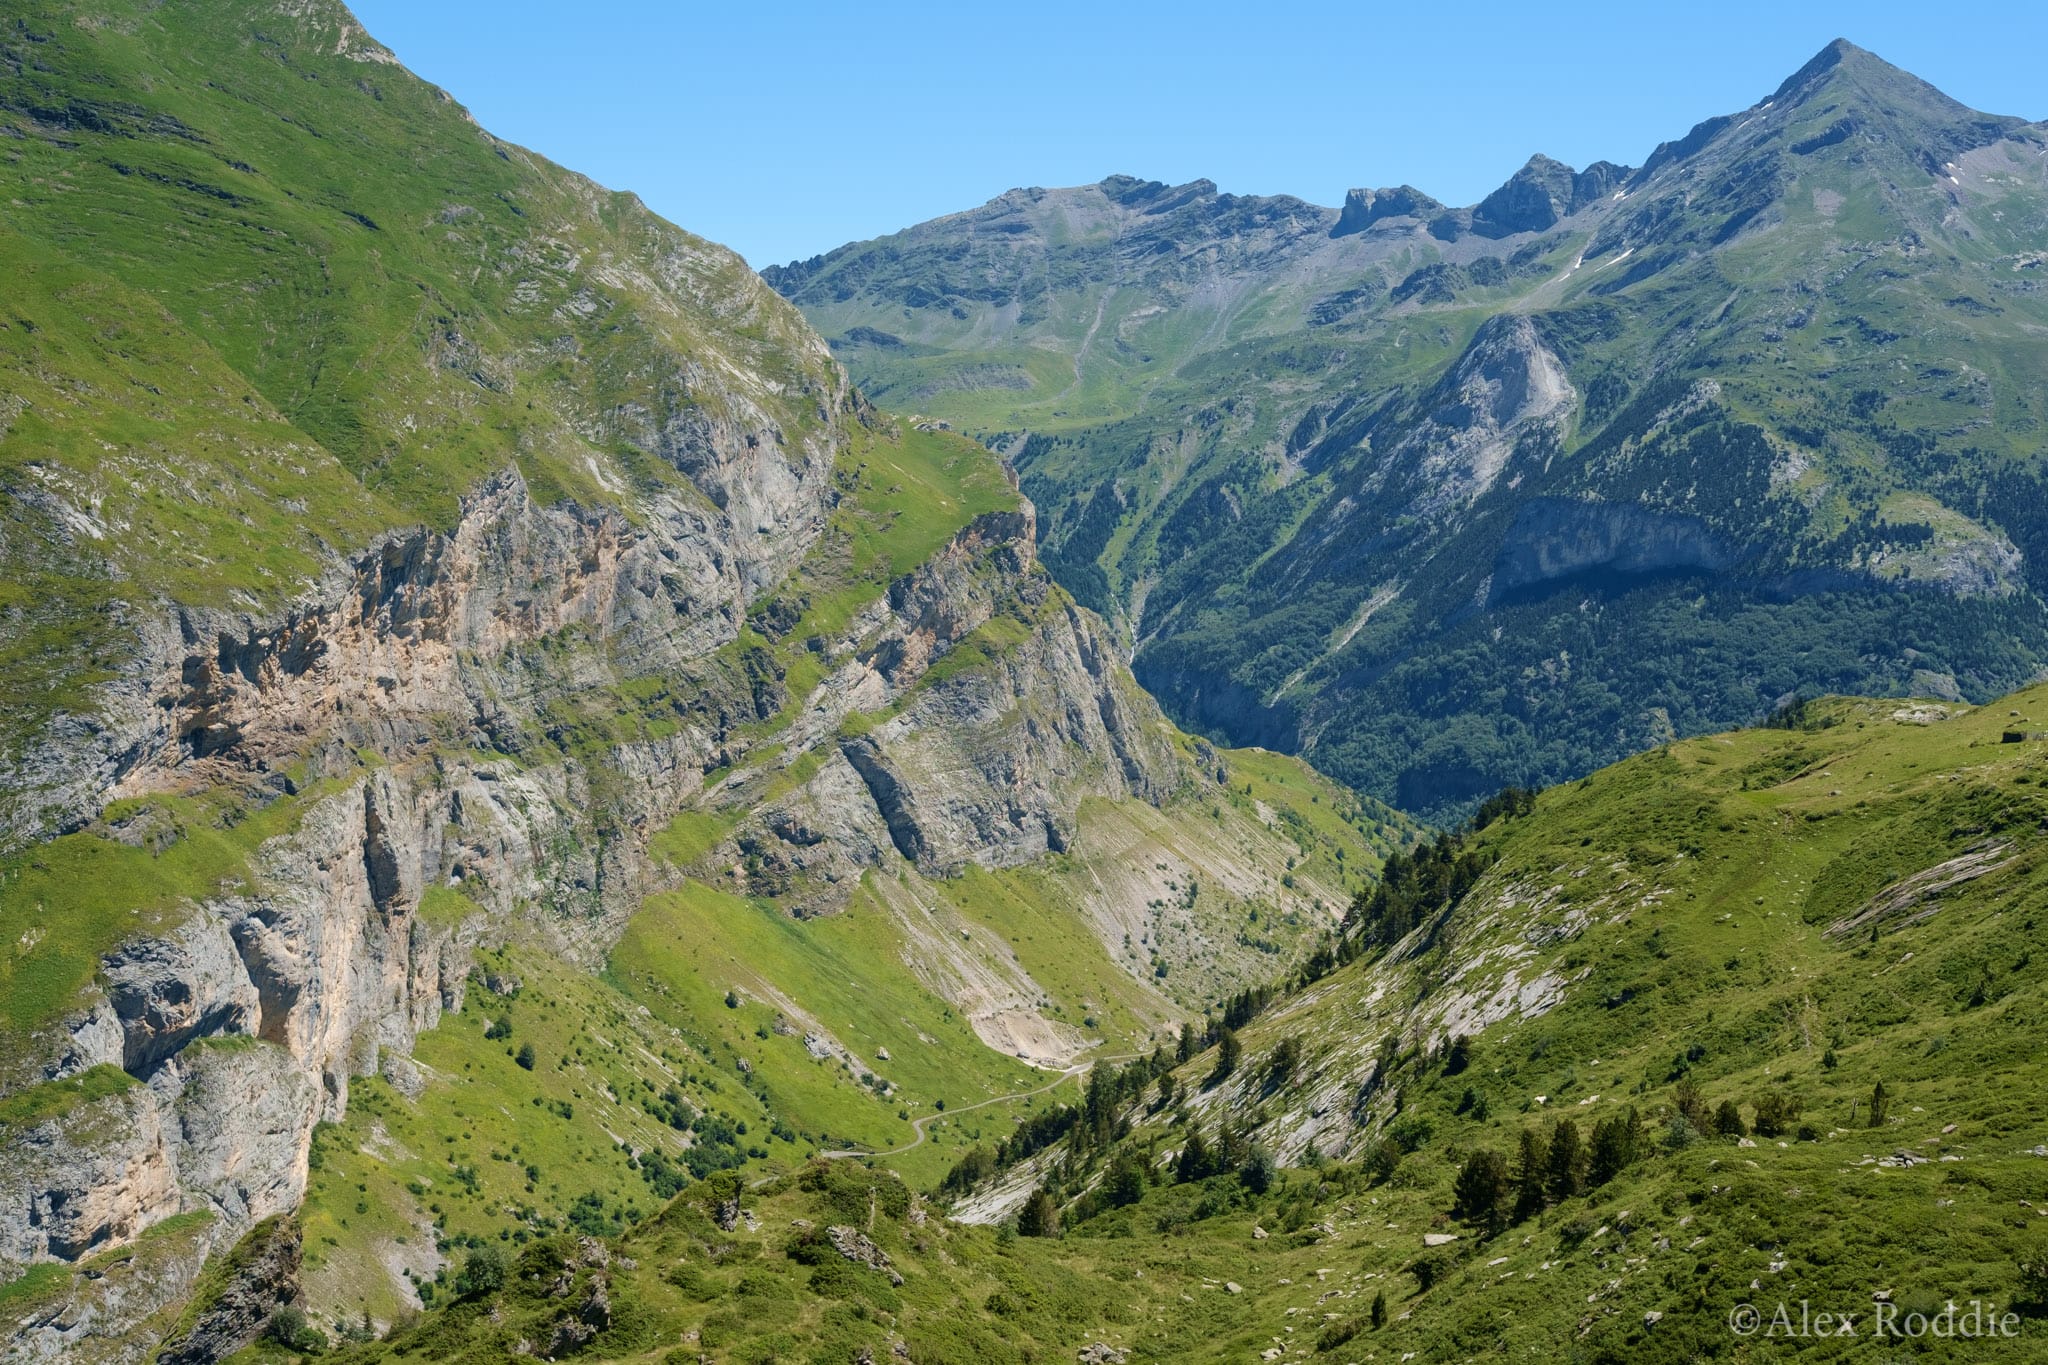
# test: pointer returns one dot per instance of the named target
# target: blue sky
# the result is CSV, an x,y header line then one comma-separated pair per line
x,y
785,129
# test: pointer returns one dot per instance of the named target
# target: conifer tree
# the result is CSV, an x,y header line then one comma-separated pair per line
x,y
1567,1166
1532,1175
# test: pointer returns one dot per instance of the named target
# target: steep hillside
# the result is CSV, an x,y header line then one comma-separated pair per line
x,y
1449,499
1747,1020
495,729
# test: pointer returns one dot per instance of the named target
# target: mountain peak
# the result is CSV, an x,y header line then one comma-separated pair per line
x,y
1839,53
1842,70
1847,93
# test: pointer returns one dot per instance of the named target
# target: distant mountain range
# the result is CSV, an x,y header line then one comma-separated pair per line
x,y
1451,498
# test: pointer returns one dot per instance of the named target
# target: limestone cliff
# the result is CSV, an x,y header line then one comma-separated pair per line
x,y
245,1019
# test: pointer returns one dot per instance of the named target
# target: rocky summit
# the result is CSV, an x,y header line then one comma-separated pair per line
x,y
554,802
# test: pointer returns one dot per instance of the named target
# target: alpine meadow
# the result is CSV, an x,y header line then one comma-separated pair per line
x,y
1133,774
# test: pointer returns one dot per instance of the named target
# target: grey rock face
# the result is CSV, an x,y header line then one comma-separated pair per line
x,y
328,959
1599,181
374,653
168,991
1532,200
265,1279
987,767
991,767
1363,208
115,1318
222,1127
1554,538
244,1123
97,1174
1506,386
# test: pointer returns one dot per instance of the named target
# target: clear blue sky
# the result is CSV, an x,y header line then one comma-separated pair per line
x,y
785,129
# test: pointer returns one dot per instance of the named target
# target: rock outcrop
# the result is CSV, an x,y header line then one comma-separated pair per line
x,y
983,762
1363,208
858,1247
1532,200
1555,538
1507,389
262,1277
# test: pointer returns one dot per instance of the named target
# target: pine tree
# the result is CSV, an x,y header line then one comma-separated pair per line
x,y
1195,1162
1567,1168
1098,1110
1459,1055
1728,1120
1481,1190
1880,1105
1040,1217
1379,1310
1615,1142
1125,1182
1230,1150
1532,1175
1228,1050
1776,1112
1382,1161
1286,1057
1691,1104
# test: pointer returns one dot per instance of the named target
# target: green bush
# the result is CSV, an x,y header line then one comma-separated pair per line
x,y
2031,1294
1337,1333
483,1272
290,1329
1777,1111
1482,1190
1040,1217
1728,1120
1259,1171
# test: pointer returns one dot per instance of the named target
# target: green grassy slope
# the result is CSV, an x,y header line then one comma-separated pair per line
x,y
1780,919
793,1036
